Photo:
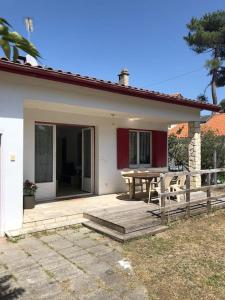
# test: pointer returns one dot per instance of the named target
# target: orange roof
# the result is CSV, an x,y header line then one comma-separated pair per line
x,y
180,130
215,123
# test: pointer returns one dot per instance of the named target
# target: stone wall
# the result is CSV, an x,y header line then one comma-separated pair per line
x,y
194,152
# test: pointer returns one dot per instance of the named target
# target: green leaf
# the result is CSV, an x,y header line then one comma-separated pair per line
x,y
6,48
3,30
22,43
4,22
213,64
15,53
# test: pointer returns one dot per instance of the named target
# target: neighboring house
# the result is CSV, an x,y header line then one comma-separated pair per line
x,y
74,134
216,123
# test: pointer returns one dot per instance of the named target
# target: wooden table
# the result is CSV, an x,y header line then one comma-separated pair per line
x,y
148,176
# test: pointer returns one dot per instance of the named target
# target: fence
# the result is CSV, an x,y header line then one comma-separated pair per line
x,y
208,188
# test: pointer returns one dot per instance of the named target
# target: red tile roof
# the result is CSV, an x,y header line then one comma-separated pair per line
x,y
215,123
180,130
90,82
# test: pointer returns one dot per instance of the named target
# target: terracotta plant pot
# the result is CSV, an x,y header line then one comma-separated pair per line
x,y
28,202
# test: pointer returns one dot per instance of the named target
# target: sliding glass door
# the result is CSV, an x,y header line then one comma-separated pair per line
x,y
45,162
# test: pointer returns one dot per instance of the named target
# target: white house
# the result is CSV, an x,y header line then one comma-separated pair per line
x,y
73,135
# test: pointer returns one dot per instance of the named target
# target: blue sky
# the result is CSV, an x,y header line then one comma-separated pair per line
x,y
99,37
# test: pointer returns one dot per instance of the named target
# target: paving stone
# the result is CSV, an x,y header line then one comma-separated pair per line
x,y
25,267
111,278
100,250
50,266
101,294
65,232
70,252
77,256
60,244
97,268
86,243
8,255
96,236
30,244
47,252
81,265
51,259
50,238
85,259
85,230
112,258
63,273
30,275
83,285
139,293
50,291
75,236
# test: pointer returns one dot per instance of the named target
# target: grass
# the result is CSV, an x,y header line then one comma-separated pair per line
x,y
187,262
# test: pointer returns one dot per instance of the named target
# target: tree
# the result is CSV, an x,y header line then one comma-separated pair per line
x,y
178,150
210,141
202,98
11,42
207,35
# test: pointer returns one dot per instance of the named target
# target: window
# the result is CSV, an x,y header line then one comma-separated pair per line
x,y
139,148
43,153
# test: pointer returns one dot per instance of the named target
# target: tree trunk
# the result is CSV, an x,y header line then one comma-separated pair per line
x,y
213,86
214,98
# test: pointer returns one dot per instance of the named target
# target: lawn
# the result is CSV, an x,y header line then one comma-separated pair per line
x,y
185,262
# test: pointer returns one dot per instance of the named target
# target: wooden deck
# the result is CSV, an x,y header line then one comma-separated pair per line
x,y
126,223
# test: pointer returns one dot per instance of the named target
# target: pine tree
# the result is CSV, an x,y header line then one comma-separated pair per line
x,y
207,35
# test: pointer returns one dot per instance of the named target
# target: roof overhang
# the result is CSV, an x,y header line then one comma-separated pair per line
x,y
85,81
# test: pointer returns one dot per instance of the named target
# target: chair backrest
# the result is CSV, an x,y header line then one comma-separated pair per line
x,y
181,180
168,180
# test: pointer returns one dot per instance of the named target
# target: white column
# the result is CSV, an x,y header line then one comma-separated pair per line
x,y
194,152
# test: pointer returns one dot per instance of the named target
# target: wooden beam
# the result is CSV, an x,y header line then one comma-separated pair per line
x,y
188,195
162,199
203,188
209,204
193,202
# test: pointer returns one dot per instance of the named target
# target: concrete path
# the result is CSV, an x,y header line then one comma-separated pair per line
x,y
73,263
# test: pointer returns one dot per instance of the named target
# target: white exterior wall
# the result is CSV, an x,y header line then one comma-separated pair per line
x,y
11,173
107,177
42,100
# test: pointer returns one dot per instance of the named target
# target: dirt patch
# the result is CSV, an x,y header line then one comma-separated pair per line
x,y
185,262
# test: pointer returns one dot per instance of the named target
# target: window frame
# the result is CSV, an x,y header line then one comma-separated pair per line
x,y
53,152
138,165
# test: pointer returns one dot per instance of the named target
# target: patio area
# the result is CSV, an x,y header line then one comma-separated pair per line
x,y
60,213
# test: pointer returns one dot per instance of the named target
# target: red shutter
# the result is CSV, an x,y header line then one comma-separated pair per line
x,y
122,148
159,148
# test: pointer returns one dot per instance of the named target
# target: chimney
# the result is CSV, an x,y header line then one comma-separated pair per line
x,y
124,77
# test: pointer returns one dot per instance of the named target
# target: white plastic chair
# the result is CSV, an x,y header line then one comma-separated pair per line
x,y
179,185
155,187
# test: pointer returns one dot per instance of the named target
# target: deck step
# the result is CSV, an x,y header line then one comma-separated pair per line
x,y
124,226
121,237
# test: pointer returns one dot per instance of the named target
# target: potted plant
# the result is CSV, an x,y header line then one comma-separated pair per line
x,y
29,190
